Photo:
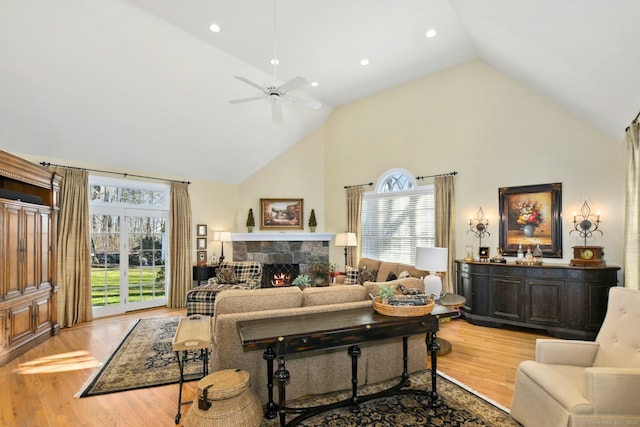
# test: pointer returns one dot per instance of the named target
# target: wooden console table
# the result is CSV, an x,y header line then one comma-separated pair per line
x,y
322,331
565,301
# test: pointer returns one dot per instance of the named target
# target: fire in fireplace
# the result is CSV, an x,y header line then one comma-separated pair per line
x,y
278,275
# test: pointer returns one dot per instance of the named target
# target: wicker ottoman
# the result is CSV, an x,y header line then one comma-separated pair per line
x,y
225,400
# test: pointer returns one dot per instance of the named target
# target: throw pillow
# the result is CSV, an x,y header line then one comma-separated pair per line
x,y
366,275
352,276
391,276
226,275
404,274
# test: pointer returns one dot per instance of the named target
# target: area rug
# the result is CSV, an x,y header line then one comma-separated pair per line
x,y
144,358
460,406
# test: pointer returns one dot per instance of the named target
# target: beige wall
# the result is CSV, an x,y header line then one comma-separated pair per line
x,y
471,119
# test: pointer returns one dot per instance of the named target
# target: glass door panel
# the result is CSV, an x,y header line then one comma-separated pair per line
x,y
105,263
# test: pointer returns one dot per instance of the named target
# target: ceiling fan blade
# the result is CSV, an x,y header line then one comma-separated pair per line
x,y
276,110
250,83
294,83
308,103
241,100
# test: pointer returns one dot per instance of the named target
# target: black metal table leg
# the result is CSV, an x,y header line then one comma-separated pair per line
x,y
181,364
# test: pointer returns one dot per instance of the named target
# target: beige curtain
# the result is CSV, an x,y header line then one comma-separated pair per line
x,y
180,247
632,214
354,214
445,236
74,257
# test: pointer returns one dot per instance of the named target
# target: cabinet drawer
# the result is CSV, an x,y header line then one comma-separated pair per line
x,y
593,275
545,273
473,268
498,270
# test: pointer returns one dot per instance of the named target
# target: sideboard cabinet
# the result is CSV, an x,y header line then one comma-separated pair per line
x,y
28,220
565,301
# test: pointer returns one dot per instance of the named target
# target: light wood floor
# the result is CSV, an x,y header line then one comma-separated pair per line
x,y
37,388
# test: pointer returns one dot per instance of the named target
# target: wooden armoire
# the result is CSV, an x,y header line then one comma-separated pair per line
x,y
28,220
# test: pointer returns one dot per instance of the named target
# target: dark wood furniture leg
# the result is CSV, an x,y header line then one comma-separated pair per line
x,y
354,352
283,377
270,355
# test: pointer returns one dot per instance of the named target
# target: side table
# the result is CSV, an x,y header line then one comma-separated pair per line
x,y
453,301
202,273
193,333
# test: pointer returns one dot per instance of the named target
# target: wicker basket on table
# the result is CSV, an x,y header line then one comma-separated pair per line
x,y
402,310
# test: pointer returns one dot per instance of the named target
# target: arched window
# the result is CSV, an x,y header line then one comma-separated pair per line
x,y
396,217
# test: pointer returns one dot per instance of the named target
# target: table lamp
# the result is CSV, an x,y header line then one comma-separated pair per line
x,y
433,260
222,236
347,240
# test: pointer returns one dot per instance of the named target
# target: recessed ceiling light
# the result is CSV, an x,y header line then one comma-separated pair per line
x,y
431,33
313,84
274,61
215,28
364,61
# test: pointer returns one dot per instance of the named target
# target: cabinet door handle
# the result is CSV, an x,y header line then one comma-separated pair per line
x,y
22,250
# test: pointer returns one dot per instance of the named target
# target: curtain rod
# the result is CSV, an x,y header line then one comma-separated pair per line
x,y
438,175
358,185
124,174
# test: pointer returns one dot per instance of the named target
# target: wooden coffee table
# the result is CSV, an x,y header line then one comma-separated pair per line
x,y
280,337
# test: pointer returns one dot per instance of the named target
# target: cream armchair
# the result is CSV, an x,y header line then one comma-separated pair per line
x,y
581,383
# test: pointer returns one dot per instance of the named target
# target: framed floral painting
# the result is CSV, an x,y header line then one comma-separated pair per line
x,y
531,215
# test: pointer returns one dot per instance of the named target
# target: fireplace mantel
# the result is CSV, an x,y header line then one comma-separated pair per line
x,y
281,236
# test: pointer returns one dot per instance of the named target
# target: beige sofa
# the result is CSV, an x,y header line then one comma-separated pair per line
x,y
315,372
384,269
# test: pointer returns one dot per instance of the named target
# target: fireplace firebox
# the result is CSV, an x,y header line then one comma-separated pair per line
x,y
279,275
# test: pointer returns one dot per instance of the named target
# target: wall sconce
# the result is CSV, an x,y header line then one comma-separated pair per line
x,y
478,226
586,223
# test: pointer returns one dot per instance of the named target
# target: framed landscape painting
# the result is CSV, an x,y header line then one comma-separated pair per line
x,y
531,215
281,214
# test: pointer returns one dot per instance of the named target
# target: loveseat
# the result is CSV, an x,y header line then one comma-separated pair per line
x,y
316,372
229,275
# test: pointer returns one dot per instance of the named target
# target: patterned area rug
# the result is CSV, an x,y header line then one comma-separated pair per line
x,y
460,407
143,359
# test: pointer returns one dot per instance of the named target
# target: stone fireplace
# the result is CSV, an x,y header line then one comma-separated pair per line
x,y
287,254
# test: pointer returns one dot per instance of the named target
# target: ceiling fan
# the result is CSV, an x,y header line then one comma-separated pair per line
x,y
275,91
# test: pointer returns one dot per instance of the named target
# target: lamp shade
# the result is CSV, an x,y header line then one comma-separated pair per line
x,y
221,236
346,239
432,259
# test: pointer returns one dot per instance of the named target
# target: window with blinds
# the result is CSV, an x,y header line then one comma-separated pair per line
x,y
395,219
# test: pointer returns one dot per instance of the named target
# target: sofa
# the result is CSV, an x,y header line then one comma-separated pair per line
x,y
229,275
389,273
315,372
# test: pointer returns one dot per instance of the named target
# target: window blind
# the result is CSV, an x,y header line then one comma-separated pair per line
x,y
394,223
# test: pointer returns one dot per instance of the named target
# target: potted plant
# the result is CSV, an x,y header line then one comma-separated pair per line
x,y
386,292
302,281
251,222
312,221
321,272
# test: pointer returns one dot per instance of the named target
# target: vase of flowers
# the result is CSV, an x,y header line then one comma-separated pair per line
x,y
529,216
321,272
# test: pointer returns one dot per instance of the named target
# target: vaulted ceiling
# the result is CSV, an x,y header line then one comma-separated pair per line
x,y
144,85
